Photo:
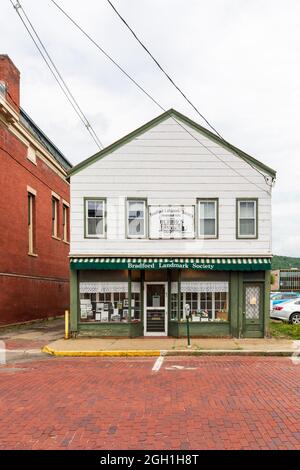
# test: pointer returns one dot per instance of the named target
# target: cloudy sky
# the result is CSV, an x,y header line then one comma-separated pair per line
x,y
238,60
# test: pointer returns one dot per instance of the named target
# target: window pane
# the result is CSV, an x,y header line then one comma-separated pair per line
x,y
207,210
136,227
95,226
136,209
247,227
95,209
247,209
99,226
92,226
207,227
136,218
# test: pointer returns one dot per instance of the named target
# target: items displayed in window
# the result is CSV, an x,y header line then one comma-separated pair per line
x,y
108,302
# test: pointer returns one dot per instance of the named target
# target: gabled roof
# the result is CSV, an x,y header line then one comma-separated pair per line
x,y
180,117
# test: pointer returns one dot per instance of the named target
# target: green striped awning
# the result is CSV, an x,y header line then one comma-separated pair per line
x,y
200,264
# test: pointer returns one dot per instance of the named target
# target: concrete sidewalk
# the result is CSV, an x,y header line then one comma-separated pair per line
x,y
169,346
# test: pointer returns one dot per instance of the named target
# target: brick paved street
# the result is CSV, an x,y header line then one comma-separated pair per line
x,y
120,403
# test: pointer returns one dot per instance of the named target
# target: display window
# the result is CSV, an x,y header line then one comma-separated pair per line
x,y
207,301
109,302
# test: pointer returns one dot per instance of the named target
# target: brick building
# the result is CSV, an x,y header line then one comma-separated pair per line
x,y
34,212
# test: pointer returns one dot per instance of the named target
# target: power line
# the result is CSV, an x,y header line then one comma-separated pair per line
x,y
162,69
56,74
159,105
168,76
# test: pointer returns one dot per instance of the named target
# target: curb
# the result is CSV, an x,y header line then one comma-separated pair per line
x,y
170,352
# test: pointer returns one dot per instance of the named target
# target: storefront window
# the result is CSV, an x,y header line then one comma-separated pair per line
x,y
108,301
208,301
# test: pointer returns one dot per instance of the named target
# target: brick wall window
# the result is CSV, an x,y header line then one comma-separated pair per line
x,y
31,222
55,215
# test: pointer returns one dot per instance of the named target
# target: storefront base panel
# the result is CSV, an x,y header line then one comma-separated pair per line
x,y
118,330
205,329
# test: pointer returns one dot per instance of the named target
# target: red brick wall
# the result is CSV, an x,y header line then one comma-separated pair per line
x,y
48,298
23,299
10,75
30,286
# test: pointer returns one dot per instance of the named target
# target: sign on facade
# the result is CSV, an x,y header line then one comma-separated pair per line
x,y
171,222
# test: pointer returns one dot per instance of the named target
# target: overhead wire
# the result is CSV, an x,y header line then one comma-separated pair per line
x,y
167,75
141,88
56,73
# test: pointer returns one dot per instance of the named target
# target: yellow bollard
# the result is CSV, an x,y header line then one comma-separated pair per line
x,y
66,324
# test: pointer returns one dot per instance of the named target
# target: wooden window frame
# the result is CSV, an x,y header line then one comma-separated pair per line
x,y
55,220
85,204
66,222
238,235
144,201
216,201
31,221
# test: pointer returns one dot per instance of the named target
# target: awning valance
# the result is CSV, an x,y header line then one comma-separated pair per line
x,y
198,264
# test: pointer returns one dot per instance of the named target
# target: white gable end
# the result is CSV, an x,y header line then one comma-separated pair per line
x,y
171,163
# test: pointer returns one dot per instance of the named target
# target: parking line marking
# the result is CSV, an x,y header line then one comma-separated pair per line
x,y
158,363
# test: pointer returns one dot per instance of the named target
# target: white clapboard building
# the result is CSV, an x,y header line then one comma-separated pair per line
x,y
168,222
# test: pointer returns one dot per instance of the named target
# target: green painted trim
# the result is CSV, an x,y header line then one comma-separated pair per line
x,y
142,310
85,199
240,305
179,295
266,313
234,303
176,115
129,296
74,301
208,237
237,201
144,199
169,294
251,328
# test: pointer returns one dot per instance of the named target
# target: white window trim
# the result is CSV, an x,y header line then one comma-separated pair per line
x,y
93,235
65,210
215,201
31,190
144,201
31,154
31,194
255,219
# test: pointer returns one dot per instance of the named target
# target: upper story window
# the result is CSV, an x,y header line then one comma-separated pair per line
x,y
95,218
55,215
136,218
31,195
65,222
208,218
246,218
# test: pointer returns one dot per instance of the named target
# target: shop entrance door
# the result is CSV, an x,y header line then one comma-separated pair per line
x,y
253,325
155,309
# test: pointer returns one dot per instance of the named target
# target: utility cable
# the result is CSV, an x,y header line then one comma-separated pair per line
x,y
57,76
